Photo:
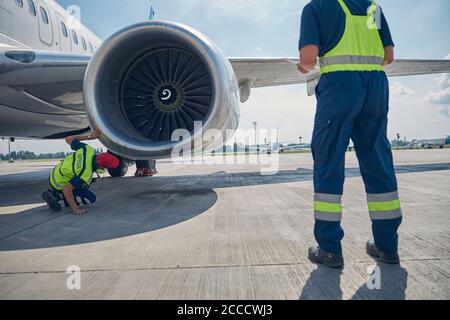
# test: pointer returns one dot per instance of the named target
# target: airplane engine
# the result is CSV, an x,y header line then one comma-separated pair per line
x,y
152,78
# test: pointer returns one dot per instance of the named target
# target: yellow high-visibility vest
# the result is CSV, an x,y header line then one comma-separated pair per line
x,y
80,164
360,48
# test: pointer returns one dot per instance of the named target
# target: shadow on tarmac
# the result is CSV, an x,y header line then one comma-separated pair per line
x,y
128,206
121,214
394,281
325,284
25,188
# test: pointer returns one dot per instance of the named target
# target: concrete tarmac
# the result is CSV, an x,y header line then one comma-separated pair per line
x,y
219,232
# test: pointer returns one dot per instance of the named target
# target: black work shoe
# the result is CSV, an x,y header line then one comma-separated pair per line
x,y
331,260
52,201
378,255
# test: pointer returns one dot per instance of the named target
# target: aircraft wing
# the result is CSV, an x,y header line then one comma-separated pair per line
x,y
57,67
41,93
417,67
267,72
45,70
52,79
49,74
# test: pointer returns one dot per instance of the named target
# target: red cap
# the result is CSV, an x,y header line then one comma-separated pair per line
x,y
107,161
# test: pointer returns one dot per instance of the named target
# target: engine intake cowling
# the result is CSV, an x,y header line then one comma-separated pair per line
x,y
153,78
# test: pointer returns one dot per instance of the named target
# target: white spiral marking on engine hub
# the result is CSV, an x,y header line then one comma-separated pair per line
x,y
167,94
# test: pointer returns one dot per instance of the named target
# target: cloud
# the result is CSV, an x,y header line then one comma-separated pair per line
x,y
444,81
442,96
268,12
399,90
439,97
446,111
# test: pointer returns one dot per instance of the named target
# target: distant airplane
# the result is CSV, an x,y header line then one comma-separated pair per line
x,y
295,147
57,79
429,143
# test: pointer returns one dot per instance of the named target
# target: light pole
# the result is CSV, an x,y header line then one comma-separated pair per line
x,y
10,160
255,125
278,137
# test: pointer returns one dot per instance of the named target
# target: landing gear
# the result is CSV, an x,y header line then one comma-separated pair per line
x,y
121,170
145,168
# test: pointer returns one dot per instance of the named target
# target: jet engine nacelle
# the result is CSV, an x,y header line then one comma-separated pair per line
x,y
152,78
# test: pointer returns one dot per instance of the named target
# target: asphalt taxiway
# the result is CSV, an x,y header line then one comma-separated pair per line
x,y
219,232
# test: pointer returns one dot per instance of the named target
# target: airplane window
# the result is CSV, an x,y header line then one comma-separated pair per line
x,y
91,49
19,3
83,43
75,38
64,30
44,15
31,8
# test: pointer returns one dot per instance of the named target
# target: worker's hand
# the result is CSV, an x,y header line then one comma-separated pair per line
x,y
95,134
79,212
301,69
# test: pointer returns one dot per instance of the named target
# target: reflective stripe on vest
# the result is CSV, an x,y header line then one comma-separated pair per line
x,y
351,60
327,207
360,48
385,206
80,164
54,181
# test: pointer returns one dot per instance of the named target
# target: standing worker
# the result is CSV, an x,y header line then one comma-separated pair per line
x,y
353,43
72,177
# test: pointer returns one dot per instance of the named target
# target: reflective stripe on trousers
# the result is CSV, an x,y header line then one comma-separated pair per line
x,y
384,206
327,207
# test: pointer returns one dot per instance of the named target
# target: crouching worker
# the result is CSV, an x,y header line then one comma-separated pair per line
x,y
71,178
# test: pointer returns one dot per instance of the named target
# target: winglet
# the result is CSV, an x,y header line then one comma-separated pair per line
x,y
151,14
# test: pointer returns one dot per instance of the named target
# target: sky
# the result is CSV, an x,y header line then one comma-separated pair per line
x,y
419,107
